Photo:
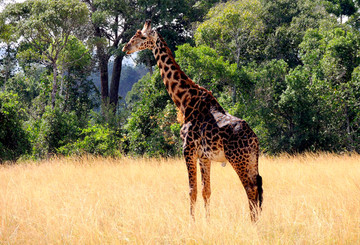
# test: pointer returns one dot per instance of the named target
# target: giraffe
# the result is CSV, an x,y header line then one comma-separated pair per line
x,y
209,133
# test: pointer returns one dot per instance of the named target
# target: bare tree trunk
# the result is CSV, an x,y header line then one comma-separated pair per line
x,y
148,63
115,81
7,63
104,75
350,142
54,88
103,58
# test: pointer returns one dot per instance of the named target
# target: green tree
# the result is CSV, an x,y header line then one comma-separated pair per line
x,y
152,128
332,55
286,22
54,129
46,25
353,103
8,51
33,87
342,7
206,67
13,138
296,108
235,30
95,139
76,90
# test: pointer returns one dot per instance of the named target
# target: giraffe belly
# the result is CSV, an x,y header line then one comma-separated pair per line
x,y
217,156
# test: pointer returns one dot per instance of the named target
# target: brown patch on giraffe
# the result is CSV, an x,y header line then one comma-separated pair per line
x,y
180,94
169,61
176,75
173,85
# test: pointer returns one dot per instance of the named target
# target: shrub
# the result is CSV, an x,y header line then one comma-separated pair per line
x,y
14,140
53,130
96,139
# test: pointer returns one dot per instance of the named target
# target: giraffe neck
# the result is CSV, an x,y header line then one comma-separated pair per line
x,y
182,90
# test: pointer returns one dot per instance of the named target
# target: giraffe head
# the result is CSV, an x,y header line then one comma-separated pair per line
x,y
144,39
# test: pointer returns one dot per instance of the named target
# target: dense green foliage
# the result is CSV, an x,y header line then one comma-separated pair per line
x,y
290,68
13,138
152,128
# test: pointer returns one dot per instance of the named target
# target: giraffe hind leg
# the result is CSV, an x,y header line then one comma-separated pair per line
x,y
260,189
253,188
205,166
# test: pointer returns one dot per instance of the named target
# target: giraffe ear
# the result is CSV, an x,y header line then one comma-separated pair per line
x,y
147,27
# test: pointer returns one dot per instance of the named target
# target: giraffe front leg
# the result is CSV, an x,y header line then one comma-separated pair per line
x,y
191,167
252,192
205,165
190,154
253,188
247,170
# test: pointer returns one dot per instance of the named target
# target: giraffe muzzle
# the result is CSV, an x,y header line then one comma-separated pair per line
x,y
126,49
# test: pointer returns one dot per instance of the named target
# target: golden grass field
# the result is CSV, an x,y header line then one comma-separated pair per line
x,y
308,199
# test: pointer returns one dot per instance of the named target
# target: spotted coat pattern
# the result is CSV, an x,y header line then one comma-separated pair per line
x,y
209,133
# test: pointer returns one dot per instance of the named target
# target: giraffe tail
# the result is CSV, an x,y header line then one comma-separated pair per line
x,y
260,189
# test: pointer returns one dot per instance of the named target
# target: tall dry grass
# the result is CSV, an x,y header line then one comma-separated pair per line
x,y
308,199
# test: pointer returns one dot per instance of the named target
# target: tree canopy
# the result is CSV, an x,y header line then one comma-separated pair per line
x,y
45,27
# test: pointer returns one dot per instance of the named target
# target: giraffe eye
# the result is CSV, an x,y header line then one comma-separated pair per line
x,y
143,38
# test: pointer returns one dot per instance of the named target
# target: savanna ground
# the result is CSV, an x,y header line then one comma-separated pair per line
x,y
308,199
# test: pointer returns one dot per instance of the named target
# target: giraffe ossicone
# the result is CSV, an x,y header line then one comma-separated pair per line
x,y
209,133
